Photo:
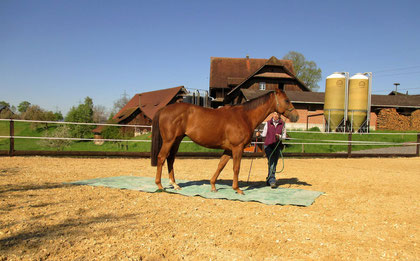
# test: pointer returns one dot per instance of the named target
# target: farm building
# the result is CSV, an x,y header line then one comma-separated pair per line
x,y
228,76
237,80
6,112
390,112
143,106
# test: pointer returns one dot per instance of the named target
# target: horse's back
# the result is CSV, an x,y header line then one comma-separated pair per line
x,y
213,128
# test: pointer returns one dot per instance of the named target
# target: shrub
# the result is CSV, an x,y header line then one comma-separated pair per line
x,y
59,132
314,129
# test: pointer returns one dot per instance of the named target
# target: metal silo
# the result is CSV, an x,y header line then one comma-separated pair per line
x,y
335,104
359,102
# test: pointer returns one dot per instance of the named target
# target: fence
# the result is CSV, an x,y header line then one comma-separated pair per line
x,y
304,143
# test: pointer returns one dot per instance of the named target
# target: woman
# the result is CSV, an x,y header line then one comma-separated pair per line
x,y
274,132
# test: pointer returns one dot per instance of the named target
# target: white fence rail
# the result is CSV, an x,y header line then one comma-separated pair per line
x,y
289,141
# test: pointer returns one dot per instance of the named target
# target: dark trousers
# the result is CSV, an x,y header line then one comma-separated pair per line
x,y
272,153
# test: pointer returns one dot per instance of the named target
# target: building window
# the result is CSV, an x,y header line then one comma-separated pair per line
x,y
262,86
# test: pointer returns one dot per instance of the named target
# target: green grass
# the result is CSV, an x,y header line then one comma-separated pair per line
x,y
318,137
25,129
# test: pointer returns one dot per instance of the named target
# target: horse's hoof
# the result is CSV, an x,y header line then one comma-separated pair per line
x,y
160,190
177,187
240,192
214,190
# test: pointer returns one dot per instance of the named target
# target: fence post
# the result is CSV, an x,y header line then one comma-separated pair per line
x,y
12,139
349,146
418,145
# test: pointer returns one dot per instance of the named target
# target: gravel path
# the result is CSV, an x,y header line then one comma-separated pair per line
x,y
390,150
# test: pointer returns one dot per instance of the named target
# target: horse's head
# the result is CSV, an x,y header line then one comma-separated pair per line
x,y
284,106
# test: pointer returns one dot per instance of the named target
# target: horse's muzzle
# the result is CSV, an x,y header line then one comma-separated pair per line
x,y
292,115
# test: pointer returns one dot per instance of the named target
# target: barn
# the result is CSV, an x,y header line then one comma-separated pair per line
x,y
229,76
143,106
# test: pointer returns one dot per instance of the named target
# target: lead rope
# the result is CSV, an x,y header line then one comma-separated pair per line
x,y
282,160
252,160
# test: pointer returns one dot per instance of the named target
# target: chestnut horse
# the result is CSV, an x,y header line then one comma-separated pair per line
x,y
229,128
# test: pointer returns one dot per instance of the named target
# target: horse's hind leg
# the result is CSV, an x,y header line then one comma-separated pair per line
x,y
163,155
222,163
170,160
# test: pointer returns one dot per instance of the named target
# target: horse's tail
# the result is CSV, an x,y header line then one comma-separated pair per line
x,y
156,139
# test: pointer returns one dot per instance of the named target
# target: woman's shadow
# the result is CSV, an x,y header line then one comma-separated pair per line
x,y
279,183
249,185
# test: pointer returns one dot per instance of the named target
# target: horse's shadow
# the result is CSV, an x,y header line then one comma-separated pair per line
x,y
246,185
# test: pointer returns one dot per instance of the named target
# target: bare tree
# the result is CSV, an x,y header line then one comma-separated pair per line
x,y
120,103
100,114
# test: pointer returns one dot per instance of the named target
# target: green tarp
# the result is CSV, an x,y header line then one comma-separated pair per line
x,y
263,194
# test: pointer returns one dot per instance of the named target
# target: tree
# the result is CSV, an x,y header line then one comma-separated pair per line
x,y
58,116
306,71
81,113
120,103
100,114
36,113
23,106
5,104
33,112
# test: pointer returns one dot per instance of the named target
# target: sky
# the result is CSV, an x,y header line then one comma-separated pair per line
x,y
55,53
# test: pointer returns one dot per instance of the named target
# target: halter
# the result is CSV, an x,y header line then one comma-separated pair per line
x,y
278,105
277,102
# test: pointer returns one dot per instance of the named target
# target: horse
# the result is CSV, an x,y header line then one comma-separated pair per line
x,y
229,128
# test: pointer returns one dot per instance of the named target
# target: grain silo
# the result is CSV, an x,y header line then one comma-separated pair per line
x,y
359,94
335,104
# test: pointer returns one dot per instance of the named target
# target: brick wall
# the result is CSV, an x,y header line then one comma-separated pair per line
x,y
390,119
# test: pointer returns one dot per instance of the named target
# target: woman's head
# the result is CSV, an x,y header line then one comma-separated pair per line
x,y
276,116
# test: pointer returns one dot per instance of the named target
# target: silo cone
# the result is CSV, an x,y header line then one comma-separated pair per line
x,y
335,95
358,100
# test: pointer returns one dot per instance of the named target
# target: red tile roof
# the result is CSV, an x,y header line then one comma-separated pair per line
x,y
225,71
149,102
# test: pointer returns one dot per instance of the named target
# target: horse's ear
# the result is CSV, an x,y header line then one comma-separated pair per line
x,y
279,91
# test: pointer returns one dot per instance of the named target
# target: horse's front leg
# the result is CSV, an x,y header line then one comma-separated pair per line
x,y
222,163
237,156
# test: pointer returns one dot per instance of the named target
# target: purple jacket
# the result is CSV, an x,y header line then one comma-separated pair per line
x,y
272,130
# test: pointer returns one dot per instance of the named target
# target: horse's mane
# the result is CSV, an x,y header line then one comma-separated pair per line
x,y
254,103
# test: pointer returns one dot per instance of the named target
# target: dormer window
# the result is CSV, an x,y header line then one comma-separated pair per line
x,y
262,86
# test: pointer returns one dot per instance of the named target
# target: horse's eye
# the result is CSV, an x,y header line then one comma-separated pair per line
x,y
287,101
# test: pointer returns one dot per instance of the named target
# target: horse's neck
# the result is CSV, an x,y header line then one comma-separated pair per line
x,y
258,114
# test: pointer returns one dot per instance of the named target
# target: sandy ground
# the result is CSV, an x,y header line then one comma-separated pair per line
x,y
370,211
